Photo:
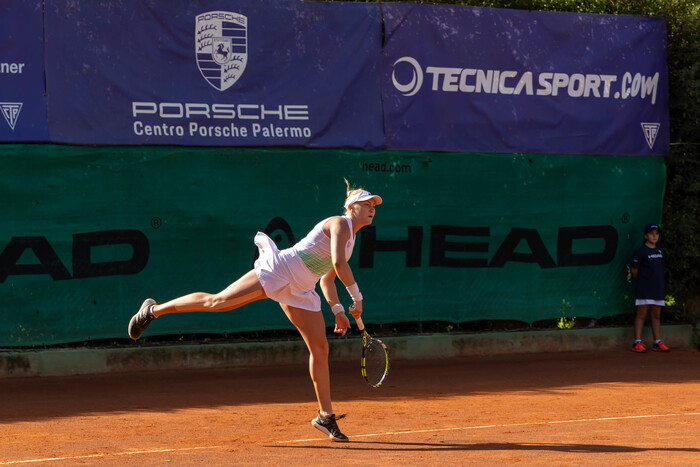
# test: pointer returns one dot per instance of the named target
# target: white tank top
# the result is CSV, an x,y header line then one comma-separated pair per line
x,y
315,249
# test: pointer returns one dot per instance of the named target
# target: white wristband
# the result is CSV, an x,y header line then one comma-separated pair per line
x,y
354,292
338,309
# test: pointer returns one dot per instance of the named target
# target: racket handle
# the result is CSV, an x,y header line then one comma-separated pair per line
x,y
360,324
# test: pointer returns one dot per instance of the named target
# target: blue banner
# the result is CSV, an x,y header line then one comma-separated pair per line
x,y
491,80
22,100
214,73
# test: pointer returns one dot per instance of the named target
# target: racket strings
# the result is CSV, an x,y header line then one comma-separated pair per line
x,y
375,362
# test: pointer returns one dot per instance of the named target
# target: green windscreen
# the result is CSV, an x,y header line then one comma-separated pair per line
x,y
86,234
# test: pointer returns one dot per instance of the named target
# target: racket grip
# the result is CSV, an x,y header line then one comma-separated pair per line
x,y
360,324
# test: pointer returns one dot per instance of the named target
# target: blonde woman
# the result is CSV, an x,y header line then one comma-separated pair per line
x,y
289,277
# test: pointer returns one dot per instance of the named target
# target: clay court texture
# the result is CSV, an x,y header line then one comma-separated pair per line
x,y
585,407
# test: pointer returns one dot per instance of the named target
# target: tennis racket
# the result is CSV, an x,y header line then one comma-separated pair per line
x,y
375,358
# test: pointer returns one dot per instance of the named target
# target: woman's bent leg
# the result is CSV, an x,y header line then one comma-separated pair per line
x,y
312,328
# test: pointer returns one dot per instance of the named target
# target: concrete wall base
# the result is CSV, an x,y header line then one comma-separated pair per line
x,y
58,362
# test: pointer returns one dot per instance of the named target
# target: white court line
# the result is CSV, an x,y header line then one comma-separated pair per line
x,y
507,425
92,456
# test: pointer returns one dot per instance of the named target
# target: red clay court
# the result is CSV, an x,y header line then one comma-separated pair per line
x,y
583,408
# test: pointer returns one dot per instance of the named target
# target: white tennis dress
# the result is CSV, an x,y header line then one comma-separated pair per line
x,y
289,276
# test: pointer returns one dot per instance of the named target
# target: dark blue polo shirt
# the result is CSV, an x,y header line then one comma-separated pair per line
x,y
650,280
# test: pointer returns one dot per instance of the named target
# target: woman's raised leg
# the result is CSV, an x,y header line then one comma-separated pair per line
x,y
245,290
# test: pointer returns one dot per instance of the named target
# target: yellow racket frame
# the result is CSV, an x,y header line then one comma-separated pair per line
x,y
366,339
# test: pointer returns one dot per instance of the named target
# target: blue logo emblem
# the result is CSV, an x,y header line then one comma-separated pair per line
x,y
11,110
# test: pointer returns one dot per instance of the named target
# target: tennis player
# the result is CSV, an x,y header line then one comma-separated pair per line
x,y
289,277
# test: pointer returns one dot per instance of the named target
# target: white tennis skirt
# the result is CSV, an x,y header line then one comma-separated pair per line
x,y
646,301
284,276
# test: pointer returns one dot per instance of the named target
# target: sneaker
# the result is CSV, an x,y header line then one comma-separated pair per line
x,y
660,347
142,319
638,347
329,427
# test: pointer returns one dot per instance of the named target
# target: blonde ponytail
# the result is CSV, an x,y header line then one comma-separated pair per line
x,y
349,191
